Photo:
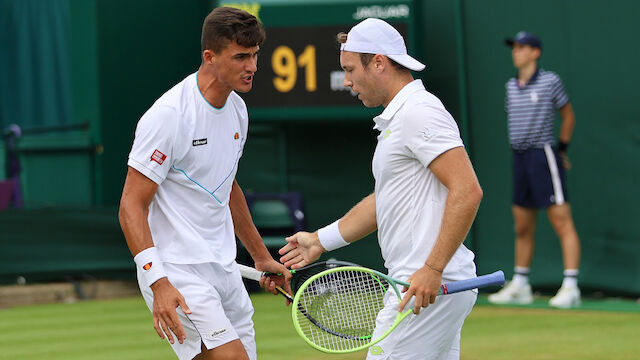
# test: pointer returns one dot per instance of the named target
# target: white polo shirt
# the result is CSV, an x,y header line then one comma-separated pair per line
x,y
191,150
414,129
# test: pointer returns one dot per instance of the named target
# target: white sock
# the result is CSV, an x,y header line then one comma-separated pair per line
x,y
570,278
521,276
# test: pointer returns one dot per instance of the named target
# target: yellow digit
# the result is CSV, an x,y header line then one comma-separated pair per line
x,y
284,66
308,60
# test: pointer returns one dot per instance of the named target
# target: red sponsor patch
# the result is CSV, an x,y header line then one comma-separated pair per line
x,y
158,157
147,266
236,136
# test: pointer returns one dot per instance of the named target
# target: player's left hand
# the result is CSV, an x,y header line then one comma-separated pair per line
x,y
270,282
424,285
566,163
302,249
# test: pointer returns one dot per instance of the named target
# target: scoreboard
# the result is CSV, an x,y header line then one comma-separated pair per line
x,y
299,76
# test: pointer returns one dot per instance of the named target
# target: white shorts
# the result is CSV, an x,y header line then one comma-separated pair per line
x,y
221,310
434,334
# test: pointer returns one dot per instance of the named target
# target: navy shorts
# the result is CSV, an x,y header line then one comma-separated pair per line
x,y
539,178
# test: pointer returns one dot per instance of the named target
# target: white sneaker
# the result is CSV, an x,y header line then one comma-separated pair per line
x,y
513,293
567,297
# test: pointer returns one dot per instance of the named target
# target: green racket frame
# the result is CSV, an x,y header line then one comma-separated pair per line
x,y
495,278
392,282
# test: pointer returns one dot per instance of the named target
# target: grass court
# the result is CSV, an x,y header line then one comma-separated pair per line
x,y
121,329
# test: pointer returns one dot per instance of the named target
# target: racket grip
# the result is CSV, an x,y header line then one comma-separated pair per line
x,y
496,278
250,273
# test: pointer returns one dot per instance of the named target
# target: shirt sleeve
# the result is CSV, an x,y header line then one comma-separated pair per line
x,y
244,122
152,150
558,94
430,131
506,97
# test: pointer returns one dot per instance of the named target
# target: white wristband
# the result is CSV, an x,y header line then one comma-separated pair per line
x,y
150,264
330,237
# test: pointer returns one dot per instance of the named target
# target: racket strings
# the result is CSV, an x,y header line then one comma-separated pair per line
x,y
306,273
301,275
341,309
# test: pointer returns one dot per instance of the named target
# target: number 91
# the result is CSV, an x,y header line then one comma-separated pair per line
x,y
285,66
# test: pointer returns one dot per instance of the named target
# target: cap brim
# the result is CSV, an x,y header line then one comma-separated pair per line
x,y
408,62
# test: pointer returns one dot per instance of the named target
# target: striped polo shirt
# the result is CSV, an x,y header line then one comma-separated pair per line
x,y
531,109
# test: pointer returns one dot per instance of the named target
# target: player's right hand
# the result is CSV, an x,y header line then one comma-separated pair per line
x,y
273,280
166,299
302,249
424,285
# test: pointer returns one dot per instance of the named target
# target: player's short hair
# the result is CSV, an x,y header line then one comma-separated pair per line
x,y
225,24
365,58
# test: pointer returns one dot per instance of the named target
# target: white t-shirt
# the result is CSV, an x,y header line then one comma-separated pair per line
x,y
191,150
414,129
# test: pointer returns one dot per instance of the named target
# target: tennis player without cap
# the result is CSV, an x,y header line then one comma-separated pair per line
x,y
181,204
426,197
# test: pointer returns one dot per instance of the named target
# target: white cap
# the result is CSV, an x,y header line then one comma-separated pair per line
x,y
375,36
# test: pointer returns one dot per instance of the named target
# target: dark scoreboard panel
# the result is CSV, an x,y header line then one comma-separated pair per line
x,y
299,76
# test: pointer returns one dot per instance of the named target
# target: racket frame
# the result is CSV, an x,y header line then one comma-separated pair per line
x,y
250,273
296,301
496,278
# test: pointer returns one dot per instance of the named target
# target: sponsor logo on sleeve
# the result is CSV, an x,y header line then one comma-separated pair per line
x,y
427,134
158,157
198,142
147,266
236,136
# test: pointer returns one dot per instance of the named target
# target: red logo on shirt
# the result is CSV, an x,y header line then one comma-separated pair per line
x,y
236,136
147,266
158,157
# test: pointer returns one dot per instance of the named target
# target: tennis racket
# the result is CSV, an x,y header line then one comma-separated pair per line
x,y
344,303
299,276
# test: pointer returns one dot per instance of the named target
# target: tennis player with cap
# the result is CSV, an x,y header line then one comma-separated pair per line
x,y
181,205
425,199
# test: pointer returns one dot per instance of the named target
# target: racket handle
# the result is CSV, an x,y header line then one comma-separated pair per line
x,y
250,273
496,278
253,274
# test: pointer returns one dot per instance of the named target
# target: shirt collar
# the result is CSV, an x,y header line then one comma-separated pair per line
x,y
382,120
531,81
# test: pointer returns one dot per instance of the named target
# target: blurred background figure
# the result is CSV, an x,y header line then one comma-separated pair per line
x,y
539,179
10,193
